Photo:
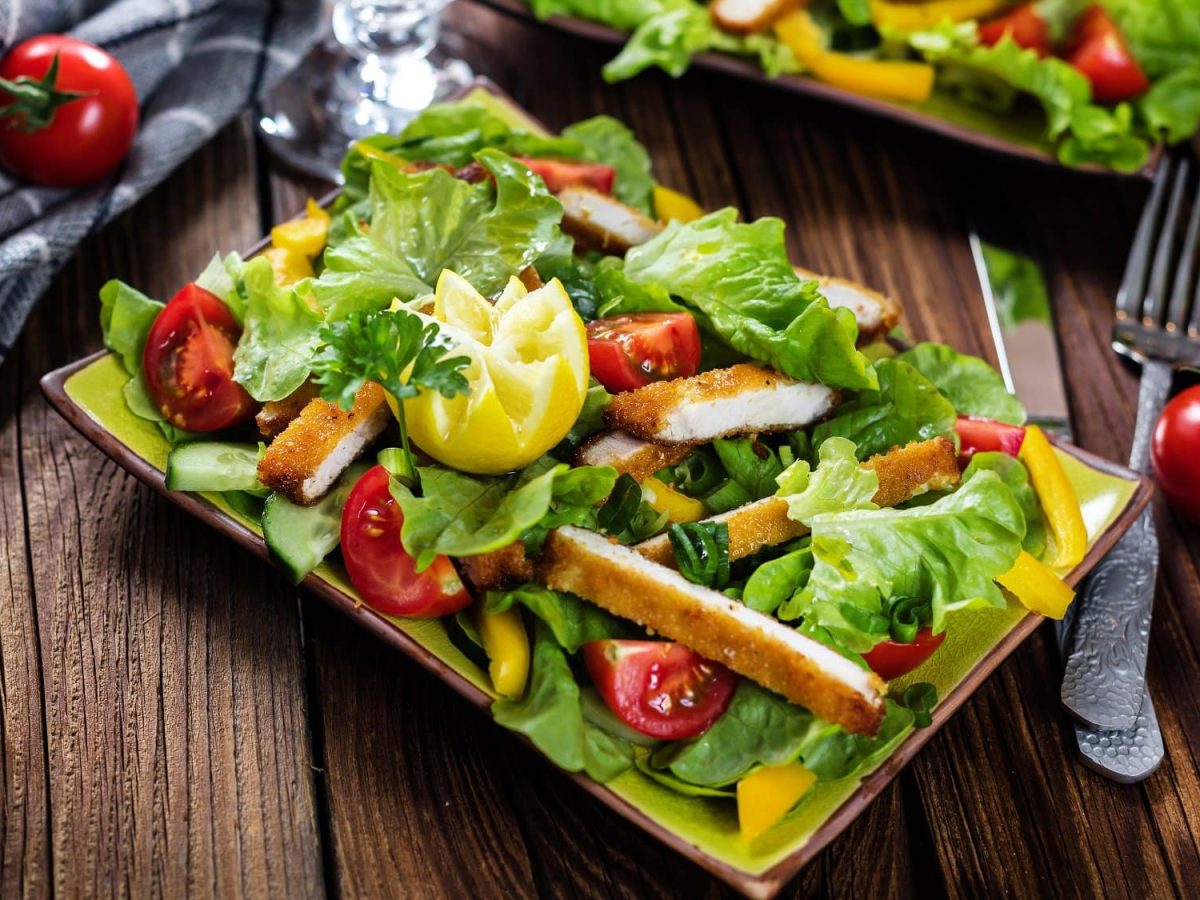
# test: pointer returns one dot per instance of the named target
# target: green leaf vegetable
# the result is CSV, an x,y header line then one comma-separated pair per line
x,y
281,333
974,387
572,621
608,141
702,552
777,580
1015,476
126,315
737,277
837,484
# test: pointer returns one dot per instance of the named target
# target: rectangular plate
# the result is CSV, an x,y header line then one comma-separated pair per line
x,y
87,394
1018,135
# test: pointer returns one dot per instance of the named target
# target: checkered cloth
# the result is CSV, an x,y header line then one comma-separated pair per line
x,y
195,64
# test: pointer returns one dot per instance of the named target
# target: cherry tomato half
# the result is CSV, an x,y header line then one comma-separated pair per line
x,y
379,568
659,688
630,351
86,136
188,363
1175,451
987,435
890,659
1026,26
559,174
1097,49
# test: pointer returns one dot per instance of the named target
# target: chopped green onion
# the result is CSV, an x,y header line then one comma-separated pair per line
x,y
622,505
729,495
702,552
906,617
921,698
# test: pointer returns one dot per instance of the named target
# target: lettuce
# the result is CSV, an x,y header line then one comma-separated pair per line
x,y
738,280
837,484
280,334
1172,105
777,580
906,407
1164,35
572,621
974,387
948,552
1016,477
220,277
606,140
551,716
126,315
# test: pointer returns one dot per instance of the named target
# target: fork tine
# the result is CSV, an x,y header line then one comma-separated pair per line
x,y
1129,297
1185,273
1156,290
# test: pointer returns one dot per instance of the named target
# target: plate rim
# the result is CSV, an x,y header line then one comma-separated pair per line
x,y
764,884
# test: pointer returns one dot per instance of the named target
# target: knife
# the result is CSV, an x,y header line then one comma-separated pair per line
x,y
1021,321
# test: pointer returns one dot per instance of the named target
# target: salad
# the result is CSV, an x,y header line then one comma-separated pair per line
x,y
1108,80
686,503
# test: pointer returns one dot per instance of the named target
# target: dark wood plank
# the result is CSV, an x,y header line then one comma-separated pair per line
x,y
172,673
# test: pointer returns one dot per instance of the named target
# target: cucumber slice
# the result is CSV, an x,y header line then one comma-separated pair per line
x,y
214,466
302,536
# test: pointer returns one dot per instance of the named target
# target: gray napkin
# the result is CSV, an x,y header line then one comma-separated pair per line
x,y
195,64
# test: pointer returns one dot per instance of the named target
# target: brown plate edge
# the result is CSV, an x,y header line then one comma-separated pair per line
x,y
795,84
764,885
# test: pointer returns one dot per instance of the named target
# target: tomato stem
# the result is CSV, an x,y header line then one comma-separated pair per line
x,y
34,102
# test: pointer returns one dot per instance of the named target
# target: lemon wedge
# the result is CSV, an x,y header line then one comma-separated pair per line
x,y
528,373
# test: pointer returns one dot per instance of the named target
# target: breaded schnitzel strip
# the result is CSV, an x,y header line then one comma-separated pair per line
x,y
742,399
752,644
875,314
309,455
500,568
601,222
629,455
904,473
276,415
748,16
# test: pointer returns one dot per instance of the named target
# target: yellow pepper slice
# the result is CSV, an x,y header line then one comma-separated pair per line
x,y
507,647
1057,496
1037,587
765,796
366,150
919,16
289,265
877,78
679,507
671,204
306,235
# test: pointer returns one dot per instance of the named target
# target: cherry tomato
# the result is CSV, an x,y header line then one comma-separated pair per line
x,y
1026,27
1175,452
559,174
891,659
1098,50
629,351
987,435
659,688
188,363
66,141
379,568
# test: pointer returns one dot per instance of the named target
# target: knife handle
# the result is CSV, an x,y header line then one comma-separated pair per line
x,y
1124,756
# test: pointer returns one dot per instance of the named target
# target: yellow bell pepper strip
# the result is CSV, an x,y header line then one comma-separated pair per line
x,y
1037,587
1057,496
289,265
366,150
893,79
672,205
679,507
306,235
919,16
765,796
507,647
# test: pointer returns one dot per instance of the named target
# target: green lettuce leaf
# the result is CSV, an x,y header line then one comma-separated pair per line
x,y
948,552
750,464
551,716
738,278
220,277
126,315
572,622
906,407
974,387
1172,105
837,484
606,140
777,580
280,334
1016,477
1164,35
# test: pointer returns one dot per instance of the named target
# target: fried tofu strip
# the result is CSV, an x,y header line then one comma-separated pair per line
x,y
875,314
629,455
749,16
505,567
600,222
757,646
276,415
304,461
742,399
904,473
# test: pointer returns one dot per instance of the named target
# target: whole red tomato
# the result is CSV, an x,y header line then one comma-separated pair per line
x,y
1175,450
69,111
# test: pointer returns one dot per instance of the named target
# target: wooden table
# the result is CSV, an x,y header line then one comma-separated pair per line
x,y
176,718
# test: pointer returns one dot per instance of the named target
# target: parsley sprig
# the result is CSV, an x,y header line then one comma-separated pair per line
x,y
398,351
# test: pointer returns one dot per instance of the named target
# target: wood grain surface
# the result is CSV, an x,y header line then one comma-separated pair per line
x,y
176,719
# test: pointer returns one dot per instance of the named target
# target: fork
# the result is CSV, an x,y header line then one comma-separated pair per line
x,y
1104,683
